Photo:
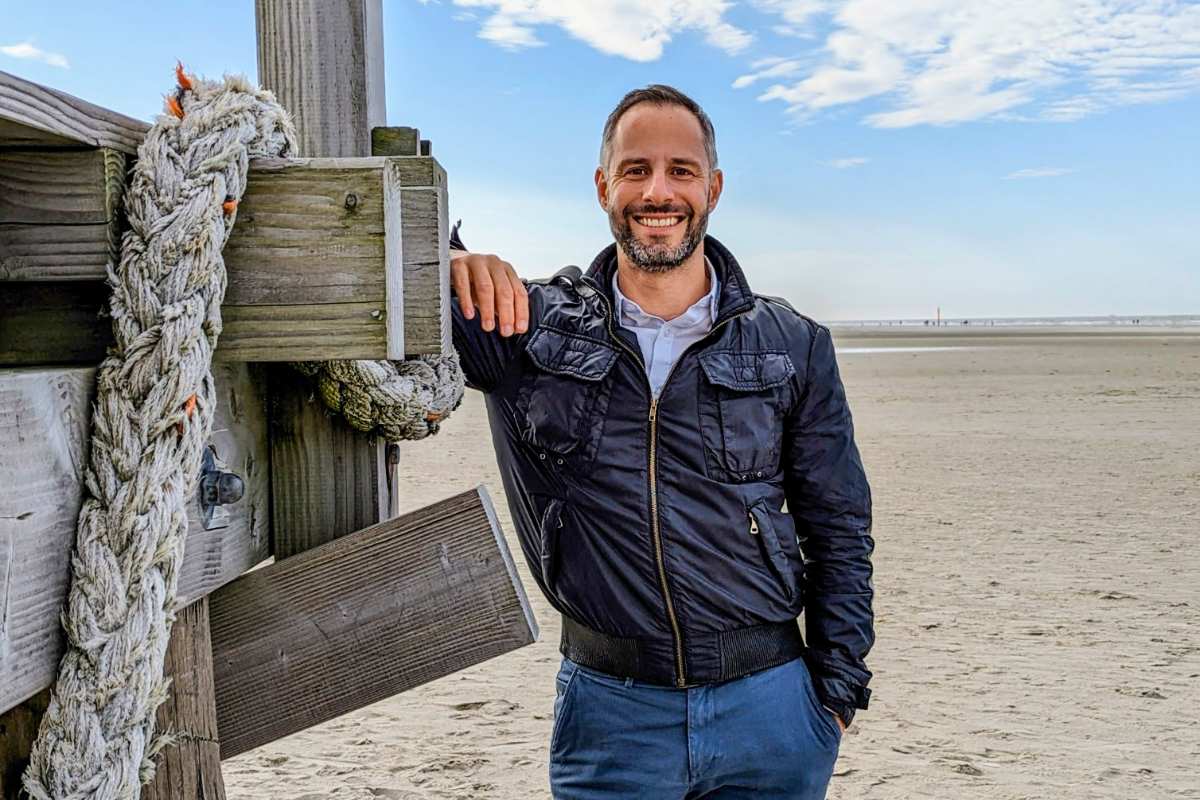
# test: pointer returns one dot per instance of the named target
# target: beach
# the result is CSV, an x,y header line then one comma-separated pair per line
x,y
1037,575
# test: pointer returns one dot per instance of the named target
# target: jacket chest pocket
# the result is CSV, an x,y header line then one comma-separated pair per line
x,y
564,397
743,398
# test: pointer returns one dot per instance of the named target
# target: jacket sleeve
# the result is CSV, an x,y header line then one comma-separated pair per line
x,y
830,500
485,356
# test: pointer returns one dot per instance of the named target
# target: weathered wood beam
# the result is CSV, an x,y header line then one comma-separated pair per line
x,y
18,730
32,115
44,437
364,617
189,712
329,259
59,212
323,59
424,243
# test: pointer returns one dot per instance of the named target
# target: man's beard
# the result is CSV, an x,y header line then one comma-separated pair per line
x,y
657,257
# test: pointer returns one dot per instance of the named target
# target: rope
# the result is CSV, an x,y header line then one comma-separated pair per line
x,y
152,418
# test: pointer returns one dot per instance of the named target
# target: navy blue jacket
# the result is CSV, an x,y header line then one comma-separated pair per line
x,y
661,520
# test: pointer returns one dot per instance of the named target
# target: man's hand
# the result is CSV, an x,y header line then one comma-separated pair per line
x,y
837,718
491,285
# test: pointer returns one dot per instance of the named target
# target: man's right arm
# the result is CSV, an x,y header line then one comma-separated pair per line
x,y
490,315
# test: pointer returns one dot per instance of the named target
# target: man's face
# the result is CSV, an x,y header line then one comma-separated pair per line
x,y
658,187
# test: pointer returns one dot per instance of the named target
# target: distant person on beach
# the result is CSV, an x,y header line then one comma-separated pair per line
x,y
650,417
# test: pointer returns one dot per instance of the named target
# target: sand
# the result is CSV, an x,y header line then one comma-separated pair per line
x,y
1037,518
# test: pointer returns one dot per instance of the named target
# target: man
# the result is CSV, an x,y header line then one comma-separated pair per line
x,y
650,418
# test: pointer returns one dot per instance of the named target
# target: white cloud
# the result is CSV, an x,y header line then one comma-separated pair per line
x,y
943,62
634,30
1038,172
847,163
29,51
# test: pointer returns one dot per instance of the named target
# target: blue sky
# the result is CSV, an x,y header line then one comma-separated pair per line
x,y
1025,157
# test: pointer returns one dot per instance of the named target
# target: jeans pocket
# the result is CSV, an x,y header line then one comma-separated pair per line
x,y
831,724
564,685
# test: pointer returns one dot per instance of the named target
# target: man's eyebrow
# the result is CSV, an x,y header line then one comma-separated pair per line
x,y
687,162
628,162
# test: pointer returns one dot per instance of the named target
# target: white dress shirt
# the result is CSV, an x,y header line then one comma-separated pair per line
x,y
663,341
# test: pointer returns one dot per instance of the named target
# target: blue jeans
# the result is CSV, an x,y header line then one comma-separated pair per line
x,y
762,736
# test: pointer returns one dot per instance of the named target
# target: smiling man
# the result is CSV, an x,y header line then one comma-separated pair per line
x,y
651,417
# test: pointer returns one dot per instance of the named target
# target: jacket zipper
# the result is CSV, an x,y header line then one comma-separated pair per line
x,y
680,671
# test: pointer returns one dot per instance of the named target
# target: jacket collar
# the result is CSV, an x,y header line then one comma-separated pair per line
x,y
734,293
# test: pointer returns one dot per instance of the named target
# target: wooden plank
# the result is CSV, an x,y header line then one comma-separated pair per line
x,y
395,141
44,437
191,767
77,193
34,115
363,617
326,68
425,231
323,59
316,263
53,323
18,729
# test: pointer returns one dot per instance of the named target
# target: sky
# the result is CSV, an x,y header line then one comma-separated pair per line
x,y
882,159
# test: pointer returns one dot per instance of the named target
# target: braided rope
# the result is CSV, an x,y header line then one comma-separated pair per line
x,y
152,418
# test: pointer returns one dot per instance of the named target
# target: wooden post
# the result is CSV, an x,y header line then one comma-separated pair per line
x,y
18,729
326,67
191,767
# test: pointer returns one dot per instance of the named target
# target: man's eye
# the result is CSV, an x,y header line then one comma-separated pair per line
x,y
682,171
636,171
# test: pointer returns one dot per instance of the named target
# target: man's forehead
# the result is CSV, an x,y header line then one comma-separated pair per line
x,y
650,123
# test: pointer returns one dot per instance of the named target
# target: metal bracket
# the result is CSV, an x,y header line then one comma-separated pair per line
x,y
218,487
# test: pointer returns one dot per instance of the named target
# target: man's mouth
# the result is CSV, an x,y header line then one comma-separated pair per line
x,y
658,221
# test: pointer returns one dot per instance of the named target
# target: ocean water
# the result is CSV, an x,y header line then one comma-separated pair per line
x,y
1160,321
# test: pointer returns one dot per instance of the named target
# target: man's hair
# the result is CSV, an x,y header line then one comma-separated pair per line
x,y
660,95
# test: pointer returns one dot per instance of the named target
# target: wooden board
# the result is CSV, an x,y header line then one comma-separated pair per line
x,y
325,65
18,730
189,712
79,193
425,241
324,62
32,115
329,259
364,617
43,448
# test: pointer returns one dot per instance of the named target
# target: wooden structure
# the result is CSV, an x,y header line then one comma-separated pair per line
x,y
341,254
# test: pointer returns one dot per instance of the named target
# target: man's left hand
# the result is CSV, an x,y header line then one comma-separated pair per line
x,y
841,725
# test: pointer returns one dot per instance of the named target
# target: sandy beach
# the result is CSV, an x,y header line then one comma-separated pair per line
x,y
1037,510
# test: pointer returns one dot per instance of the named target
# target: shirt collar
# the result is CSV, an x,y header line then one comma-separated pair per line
x,y
703,311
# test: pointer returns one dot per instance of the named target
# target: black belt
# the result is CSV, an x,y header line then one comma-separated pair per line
x,y
739,652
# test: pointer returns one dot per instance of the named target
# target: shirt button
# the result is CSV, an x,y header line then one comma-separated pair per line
x,y
560,461
542,456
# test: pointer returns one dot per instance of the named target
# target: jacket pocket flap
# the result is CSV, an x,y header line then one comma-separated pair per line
x,y
747,372
568,354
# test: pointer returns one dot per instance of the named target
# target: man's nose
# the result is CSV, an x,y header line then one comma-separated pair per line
x,y
658,189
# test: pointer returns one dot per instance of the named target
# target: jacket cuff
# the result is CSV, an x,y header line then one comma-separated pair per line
x,y
835,689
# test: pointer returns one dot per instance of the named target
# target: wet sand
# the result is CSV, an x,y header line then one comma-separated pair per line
x,y
1037,519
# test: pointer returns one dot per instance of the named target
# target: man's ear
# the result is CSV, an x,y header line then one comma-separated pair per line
x,y
715,185
601,187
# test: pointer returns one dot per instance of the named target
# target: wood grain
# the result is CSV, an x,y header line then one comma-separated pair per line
x,y
308,266
326,67
44,437
190,768
324,62
363,617
34,115
59,213
18,730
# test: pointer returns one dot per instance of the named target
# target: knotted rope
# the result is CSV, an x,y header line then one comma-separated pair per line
x,y
152,419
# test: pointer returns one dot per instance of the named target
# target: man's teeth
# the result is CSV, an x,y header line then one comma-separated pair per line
x,y
658,222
